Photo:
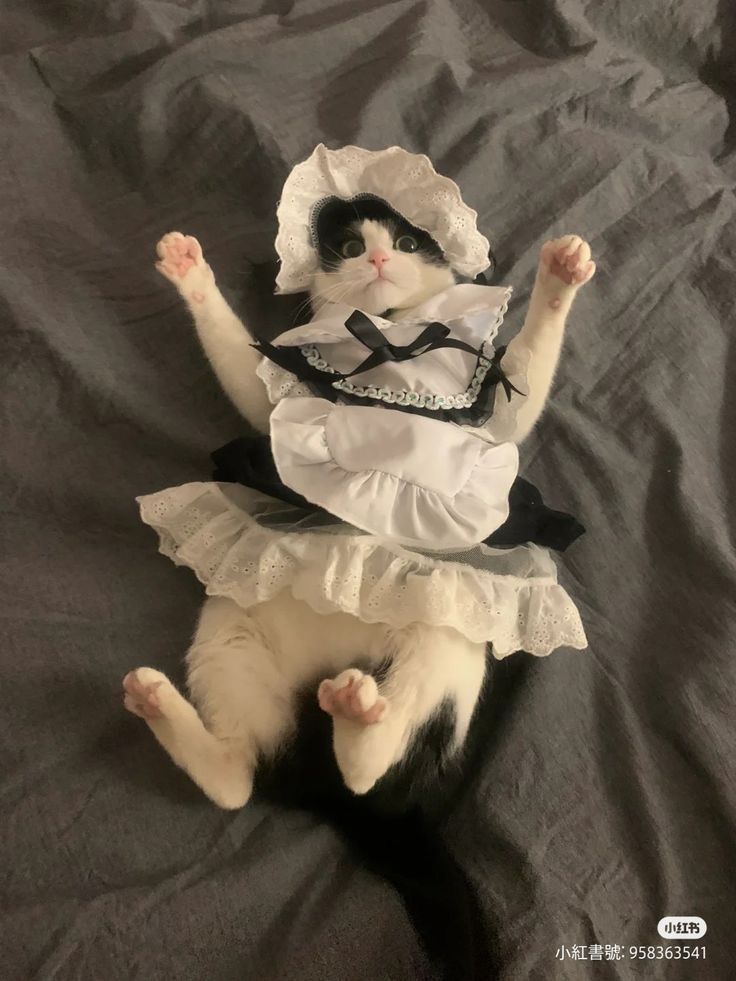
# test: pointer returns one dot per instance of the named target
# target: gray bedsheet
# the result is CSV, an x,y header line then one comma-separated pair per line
x,y
606,797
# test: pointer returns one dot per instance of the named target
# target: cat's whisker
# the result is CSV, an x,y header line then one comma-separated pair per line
x,y
326,295
301,308
340,258
336,292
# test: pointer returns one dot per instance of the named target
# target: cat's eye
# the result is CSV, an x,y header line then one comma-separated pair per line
x,y
406,243
352,248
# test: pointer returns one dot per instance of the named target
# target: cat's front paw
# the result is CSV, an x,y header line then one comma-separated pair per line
x,y
566,262
182,262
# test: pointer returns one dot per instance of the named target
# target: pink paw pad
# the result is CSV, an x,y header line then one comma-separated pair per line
x,y
178,254
352,696
140,699
568,260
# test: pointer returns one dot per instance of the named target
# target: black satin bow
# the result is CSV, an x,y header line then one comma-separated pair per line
x,y
432,338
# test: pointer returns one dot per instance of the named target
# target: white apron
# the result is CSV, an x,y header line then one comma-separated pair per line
x,y
393,461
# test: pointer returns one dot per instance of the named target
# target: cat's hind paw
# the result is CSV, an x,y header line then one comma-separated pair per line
x,y
144,693
352,695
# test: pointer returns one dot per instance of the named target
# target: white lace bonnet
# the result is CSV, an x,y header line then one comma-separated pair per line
x,y
407,182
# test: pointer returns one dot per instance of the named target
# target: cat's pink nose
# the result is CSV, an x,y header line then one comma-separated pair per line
x,y
378,257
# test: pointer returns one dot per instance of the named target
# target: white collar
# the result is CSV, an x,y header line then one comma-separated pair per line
x,y
458,301
452,306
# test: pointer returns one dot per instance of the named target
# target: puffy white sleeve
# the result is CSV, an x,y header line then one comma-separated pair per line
x,y
279,382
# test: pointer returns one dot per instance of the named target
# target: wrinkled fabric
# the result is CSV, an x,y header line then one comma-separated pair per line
x,y
604,798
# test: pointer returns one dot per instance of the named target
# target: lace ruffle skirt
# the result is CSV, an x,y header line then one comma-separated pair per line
x,y
249,548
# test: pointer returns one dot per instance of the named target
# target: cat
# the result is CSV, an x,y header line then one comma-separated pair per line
x,y
244,665
398,699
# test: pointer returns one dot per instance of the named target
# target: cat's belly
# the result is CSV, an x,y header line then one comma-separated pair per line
x,y
304,641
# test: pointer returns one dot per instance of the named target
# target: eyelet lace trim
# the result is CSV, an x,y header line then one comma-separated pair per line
x,y
509,597
422,400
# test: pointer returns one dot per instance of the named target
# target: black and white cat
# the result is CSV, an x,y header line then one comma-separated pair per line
x,y
265,681
244,666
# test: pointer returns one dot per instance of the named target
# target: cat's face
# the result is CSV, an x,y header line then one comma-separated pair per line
x,y
374,260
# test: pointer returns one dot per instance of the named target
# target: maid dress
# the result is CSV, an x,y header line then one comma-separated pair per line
x,y
388,486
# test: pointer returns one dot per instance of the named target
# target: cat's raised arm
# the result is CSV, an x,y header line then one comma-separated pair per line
x,y
564,266
224,337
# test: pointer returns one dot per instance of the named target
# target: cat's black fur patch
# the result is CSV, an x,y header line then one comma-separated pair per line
x,y
395,830
338,220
